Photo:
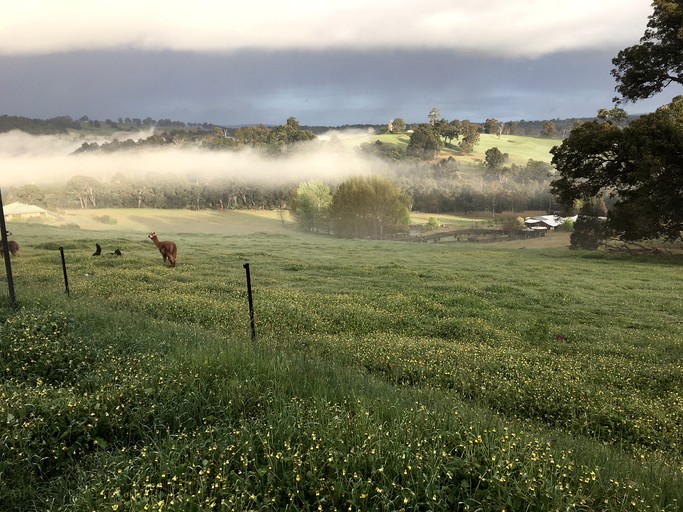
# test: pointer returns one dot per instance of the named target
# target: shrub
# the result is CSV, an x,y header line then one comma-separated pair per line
x,y
513,223
432,224
589,232
567,226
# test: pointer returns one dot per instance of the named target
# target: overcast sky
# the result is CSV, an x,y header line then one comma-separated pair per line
x,y
323,62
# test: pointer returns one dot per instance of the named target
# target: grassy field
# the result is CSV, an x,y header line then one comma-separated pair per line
x,y
518,148
383,376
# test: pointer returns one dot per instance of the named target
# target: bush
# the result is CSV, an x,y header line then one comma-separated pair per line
x,y
567,226
513,223
589,232
432,224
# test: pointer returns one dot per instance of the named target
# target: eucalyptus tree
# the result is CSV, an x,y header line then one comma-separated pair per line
x,y
311,205
470,136
549,130
399,125
424,142
369,207
494,158
434,116
656,61
640,166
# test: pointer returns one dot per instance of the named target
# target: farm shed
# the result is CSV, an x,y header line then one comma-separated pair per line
x,y
23,211
544,221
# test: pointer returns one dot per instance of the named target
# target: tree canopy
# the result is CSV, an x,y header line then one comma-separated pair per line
x,y
368,206
311,205
494,158
424,142
640,166
648,67
399,125
470,136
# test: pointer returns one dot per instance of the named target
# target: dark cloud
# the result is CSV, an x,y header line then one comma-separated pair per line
x,y
327,88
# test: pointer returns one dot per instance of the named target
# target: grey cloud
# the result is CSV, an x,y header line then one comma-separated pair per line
x,y
327,88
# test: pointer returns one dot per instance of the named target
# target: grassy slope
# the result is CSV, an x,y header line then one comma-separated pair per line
x,y
418,375
519,148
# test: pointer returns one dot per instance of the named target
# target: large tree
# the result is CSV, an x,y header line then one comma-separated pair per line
x,y
641,166
491,126
368,206
648,67
84,189
470,136
399,125
434,116
549,130
494,158
312,205
424,143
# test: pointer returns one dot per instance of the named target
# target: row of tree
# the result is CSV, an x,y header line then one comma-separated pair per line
x,y
62,124
429,187
271,140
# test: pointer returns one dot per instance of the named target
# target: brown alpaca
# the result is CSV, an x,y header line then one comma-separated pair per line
x,y
167,249
13,248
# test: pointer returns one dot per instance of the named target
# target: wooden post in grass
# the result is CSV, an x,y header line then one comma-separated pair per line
x,y
5,249
251,302
66,278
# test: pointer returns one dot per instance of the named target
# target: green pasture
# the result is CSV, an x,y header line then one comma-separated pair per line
x,y
518,148
383,376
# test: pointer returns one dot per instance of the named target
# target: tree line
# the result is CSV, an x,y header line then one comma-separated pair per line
x,y
431,187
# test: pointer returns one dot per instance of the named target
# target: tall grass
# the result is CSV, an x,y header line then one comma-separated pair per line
x,y
384,376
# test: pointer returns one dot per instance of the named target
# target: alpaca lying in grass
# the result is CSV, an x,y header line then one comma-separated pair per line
x,y
167,249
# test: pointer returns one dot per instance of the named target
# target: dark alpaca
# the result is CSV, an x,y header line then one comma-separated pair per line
x,y
98,251
12,246
167,249
117,252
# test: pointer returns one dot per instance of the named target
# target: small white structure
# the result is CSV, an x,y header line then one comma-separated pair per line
x,y
23,211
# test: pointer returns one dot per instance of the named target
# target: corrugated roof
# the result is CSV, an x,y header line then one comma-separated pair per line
x,y
549,220
21,208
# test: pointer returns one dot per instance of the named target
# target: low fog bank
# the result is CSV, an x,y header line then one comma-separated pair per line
x,y
17,143
29,159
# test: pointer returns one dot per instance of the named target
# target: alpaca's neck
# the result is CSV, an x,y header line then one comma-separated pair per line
x,y
156,241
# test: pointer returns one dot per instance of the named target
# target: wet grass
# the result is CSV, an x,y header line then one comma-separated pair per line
x,y
384,375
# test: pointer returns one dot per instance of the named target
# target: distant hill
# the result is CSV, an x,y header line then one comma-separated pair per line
x,y
63,124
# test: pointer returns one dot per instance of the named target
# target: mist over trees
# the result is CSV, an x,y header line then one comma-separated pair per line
x,y
415,179
420,182
54,126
